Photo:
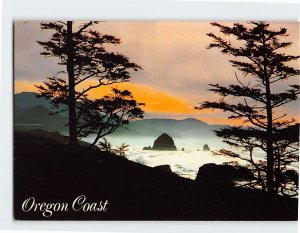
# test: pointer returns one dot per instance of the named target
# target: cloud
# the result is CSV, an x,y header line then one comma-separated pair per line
x,y
156,101
160,104
173,55
24,86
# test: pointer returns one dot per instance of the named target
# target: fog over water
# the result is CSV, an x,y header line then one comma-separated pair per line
x,y
185,163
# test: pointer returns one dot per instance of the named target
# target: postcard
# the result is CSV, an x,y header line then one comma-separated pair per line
x,y
156,120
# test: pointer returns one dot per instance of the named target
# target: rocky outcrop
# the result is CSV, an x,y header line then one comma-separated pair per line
x,y
163,168
164,142
215,175
147,148
206,148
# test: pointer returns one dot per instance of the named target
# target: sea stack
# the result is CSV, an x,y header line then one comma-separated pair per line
x,y
206,148
164,142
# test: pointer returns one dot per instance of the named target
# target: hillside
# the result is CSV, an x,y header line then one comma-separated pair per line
x,y
36,111
39,117
189,127
25,100
49,171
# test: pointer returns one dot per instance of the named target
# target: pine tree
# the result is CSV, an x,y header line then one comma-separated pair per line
x,y
83,56
261,61
103,116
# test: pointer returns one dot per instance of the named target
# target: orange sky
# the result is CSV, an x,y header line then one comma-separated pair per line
x,y
177,67
156,101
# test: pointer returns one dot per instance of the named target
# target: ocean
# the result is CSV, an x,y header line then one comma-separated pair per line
x,y
183,162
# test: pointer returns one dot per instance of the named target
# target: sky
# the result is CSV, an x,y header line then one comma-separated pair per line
x,y
177,66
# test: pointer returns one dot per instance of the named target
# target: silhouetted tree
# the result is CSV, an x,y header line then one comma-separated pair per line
x,y
121,150
261,60
82,54
285,153
104,145
103,116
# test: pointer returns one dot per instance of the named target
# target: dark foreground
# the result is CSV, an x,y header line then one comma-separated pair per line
x,y
46,170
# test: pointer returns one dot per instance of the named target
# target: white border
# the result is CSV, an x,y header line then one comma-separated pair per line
x,y
150,10
120,9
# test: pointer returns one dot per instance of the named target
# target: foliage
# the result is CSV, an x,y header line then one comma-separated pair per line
x,y
121,150
86,65
105,145
260,59
103,116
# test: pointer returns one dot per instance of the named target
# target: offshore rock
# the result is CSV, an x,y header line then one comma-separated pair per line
x,y
164,142
206,148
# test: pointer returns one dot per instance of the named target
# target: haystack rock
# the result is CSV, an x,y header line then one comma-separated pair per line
x,y
164,142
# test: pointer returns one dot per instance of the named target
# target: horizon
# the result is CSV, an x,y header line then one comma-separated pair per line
x,y
150,118
177,67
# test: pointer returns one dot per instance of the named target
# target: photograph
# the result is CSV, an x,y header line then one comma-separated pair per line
x,y
164,120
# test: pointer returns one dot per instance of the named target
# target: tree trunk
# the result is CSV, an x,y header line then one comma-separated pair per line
x,y
278,176
270,157
71,82
260,180
95,141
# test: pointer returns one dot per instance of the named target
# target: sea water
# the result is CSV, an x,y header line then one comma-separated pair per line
x,y
188,157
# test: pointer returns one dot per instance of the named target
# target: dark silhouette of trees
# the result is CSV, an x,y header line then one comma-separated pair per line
x,y
260,58
103,116
104,145
121,150
83,55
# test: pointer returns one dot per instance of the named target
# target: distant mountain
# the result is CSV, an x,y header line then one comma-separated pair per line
x,y
189,127
25,100
35,113
39,117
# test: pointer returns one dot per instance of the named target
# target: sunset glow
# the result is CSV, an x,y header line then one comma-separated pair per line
x,y
177,67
